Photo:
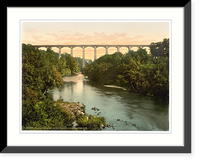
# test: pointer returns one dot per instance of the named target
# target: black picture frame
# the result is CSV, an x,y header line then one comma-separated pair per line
x,y
127,149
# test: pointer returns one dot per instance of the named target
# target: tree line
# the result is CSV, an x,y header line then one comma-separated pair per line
x,y
41,72
136,70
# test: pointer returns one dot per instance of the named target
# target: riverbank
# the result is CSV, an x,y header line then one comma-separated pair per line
x,y
113,86
123,110
80,77
82,121
74,78
74,108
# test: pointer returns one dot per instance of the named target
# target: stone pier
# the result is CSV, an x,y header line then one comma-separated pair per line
x,y
93,46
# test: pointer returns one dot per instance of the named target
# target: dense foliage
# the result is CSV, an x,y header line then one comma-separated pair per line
x,y
68,63
79,62
40,73
160,48
91,122
136,70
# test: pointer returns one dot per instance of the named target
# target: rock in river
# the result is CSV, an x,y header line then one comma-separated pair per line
x,y
81,104
94,108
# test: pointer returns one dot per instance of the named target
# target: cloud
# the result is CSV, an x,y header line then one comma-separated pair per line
x,y
121,34
79,34
29,30
139,37
66,37
112,38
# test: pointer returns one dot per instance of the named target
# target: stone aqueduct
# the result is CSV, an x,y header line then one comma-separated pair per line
x,y
85,46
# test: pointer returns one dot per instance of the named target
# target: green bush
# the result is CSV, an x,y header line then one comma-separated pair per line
x,y
82,120
137,71
95,123
92,122
65,71
68,119
103,120
46,114
41,73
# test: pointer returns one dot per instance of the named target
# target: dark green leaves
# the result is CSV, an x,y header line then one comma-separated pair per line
x,y
136,70
160,48
40,73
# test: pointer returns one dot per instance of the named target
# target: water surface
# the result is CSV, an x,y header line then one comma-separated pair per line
x,y
127,111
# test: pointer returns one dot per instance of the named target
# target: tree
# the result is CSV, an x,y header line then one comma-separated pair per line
x,y
132,70
160,48
71,63
62,66
39,75
79,62
136,70
46,114
38,72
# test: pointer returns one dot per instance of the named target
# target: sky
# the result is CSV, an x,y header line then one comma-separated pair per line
x,y
90,33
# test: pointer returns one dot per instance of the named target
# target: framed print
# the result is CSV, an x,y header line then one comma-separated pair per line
x,y
89,81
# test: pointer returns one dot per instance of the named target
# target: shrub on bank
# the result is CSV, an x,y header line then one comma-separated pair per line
x,y
65,71
82,120
92,122
95,123
137,71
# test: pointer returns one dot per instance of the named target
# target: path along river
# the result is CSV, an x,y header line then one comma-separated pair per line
x,y
127,111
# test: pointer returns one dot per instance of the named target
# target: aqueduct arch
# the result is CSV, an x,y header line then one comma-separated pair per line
x,y
93,46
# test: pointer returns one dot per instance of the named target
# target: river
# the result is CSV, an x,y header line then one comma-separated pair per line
x,y
126,111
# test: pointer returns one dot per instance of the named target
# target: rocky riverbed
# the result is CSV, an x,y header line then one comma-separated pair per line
x,y
82,121
75,108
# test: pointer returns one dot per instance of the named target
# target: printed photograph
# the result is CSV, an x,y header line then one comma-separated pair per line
x,y
95,76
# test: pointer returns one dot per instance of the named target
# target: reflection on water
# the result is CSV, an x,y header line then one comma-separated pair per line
x,y
125,110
